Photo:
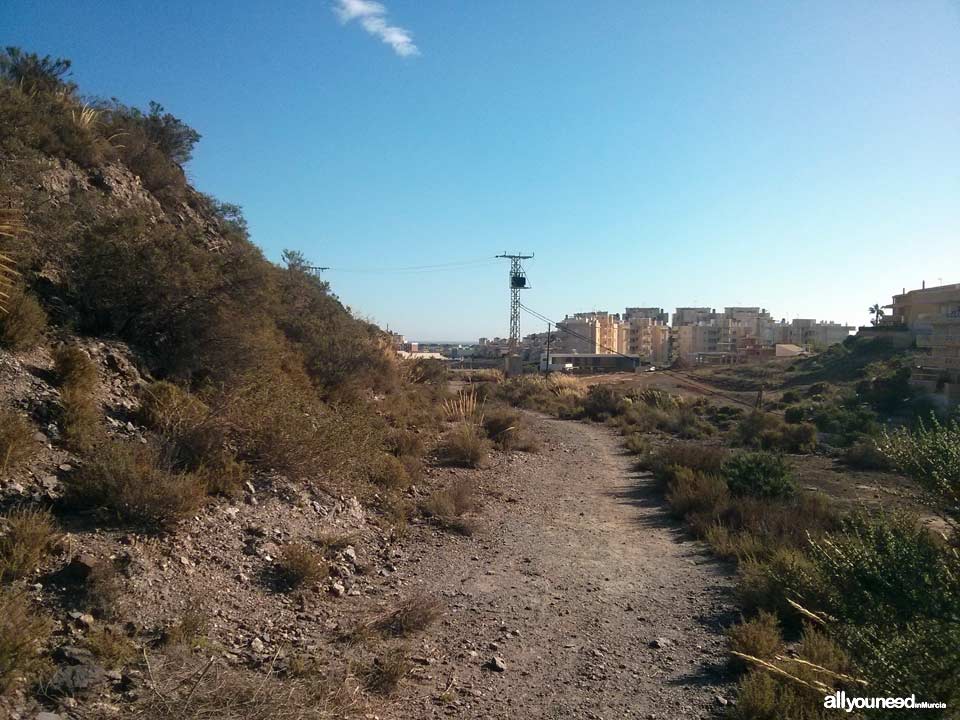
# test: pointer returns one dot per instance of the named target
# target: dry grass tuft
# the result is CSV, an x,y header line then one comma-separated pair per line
x,y
411,616
507,430
391,473
464,445
16,440
24,322
300,565
75,369
466,407
128,485
111,647
188,686
22,630
28,535
384,673
447,507
188,631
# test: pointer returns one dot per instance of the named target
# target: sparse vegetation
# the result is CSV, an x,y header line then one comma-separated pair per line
x,y
27,536
16,440
507,430
383,674
127,484
411,616
300,565
464,445
24,322
447,507
22,629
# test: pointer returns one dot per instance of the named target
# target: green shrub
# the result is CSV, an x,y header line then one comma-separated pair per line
x,y
893,589
759,637
28,535
759,474
930,455
790,397
129,485
22,630
795,414
23,325
799,438
16,440
464,445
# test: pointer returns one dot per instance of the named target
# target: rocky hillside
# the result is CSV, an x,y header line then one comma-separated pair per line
x,y
206,462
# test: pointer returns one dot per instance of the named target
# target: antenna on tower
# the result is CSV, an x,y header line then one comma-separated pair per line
x,y
518,282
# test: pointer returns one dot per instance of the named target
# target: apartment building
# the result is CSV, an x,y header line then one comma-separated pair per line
x,y
647,338
933,316
593,333
811,333
692,316
656,314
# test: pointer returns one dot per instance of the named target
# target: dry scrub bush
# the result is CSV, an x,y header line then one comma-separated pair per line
x,y
391,473
690,491
23,325
102,589
28,535
187,631
193,436
79,419
761,697
411,616
446,507
402,442
300,565
769,584
128,485
507,430
759,637
75,369
22,630
383,674
464,445
190,686
111,647
769,432
16,440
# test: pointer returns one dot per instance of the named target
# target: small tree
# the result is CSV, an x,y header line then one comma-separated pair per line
x,y
34,73
877,313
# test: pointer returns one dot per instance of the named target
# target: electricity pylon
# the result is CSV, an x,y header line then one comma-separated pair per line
x,y
518,282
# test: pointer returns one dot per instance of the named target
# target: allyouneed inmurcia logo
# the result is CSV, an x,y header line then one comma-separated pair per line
x,y
840,701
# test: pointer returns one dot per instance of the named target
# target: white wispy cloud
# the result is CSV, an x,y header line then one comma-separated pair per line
x,y
373,18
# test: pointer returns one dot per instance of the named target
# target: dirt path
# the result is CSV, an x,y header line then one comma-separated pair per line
x,y
598,605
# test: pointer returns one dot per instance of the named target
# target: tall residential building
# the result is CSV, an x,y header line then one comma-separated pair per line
x,y
651,313
590,333
933,316
692,315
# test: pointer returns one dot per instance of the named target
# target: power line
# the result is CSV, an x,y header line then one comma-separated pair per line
x,y
418,268
561,328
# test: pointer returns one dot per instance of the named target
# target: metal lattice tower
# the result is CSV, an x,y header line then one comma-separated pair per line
x,y
518,282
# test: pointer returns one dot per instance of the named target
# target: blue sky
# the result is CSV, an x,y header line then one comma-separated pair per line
x,y
801,156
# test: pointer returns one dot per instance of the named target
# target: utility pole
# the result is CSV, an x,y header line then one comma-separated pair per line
x,y
518,282
547,369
